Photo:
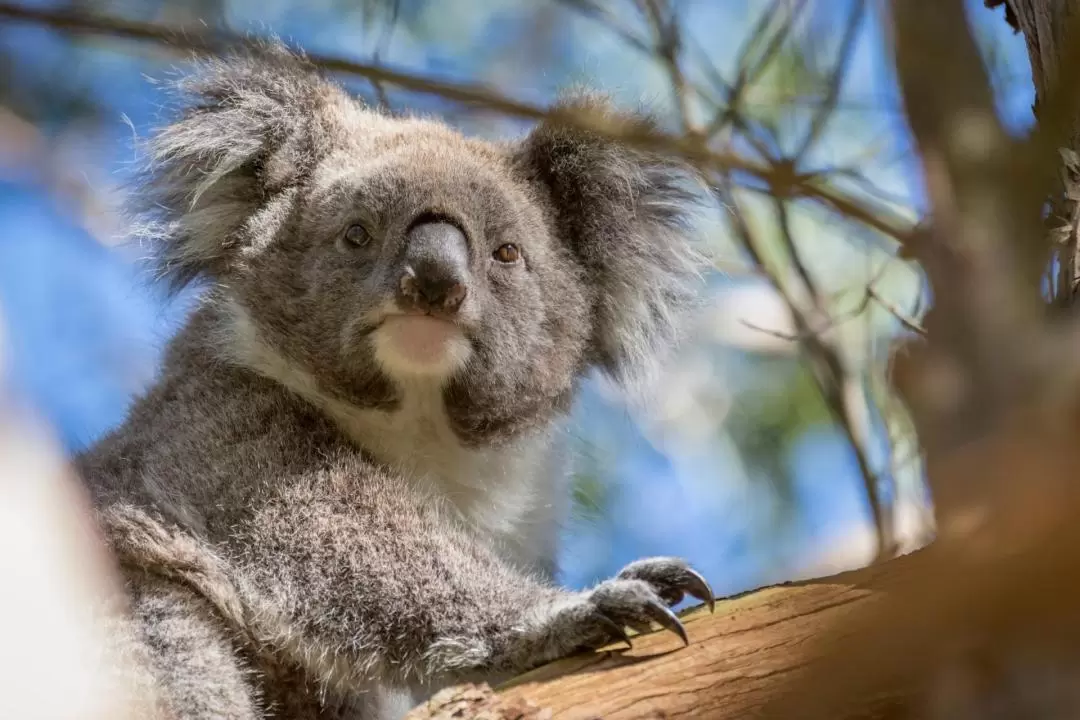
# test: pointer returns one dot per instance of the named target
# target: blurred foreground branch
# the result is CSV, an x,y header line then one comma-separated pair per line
x,y
63,655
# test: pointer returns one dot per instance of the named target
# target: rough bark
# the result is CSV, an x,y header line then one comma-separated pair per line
x,y
1043,24
764,655
1047,26
930,635
737,660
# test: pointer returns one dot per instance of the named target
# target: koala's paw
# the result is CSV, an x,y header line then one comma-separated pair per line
x,y
640,594
671,578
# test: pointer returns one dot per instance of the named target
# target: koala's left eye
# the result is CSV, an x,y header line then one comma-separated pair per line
x,y
507,253
357,235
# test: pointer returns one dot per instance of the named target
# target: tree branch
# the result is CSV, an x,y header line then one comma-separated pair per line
x,y
740,658
176,39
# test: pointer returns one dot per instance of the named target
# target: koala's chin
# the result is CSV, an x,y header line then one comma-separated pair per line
x,y
411,345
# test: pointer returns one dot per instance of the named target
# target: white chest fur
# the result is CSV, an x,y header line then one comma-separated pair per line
x,y
515,495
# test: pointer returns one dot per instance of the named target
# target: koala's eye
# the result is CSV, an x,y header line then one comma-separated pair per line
x,y
357,235
507,253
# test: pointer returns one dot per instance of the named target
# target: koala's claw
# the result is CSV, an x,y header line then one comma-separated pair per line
x,y
615,630
668,620
639,596
626,602
643,591
697,587
672,578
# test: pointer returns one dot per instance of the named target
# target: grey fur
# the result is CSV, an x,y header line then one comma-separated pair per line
x,y
307,529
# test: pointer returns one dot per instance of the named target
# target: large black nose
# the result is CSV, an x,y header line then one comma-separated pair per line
x,y
435,274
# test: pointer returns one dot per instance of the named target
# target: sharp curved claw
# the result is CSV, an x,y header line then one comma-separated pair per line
x,y
667,619
698,587
615,630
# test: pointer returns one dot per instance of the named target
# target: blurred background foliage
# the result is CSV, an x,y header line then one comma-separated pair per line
x,y
741,463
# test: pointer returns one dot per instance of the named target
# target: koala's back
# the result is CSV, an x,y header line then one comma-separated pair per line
x,y
196,464
189,464
203,442
196,665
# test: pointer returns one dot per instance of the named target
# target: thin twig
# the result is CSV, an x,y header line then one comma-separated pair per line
x,y
836,79
906,320
668,48
748,71
381,46
840,390
843,392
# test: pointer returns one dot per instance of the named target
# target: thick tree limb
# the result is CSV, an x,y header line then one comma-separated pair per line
x,y
739,658
813,649
763,646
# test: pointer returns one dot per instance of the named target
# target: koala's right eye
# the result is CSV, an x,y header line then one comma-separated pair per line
x,y
357,236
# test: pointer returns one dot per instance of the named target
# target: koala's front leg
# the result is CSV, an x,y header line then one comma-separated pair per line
x,y
379,585
640,594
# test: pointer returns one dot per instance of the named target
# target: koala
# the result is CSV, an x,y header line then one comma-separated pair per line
x,y
343,491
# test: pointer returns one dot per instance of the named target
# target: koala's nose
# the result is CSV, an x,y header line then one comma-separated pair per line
x,y
426,290
436,267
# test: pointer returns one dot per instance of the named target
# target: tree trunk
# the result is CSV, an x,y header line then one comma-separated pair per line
x,y
1046,25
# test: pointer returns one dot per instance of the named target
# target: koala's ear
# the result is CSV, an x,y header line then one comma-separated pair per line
x,y
627,216
251,126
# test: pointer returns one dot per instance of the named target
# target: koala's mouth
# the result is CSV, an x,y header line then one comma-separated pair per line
x,y
421,326
421,323
414,342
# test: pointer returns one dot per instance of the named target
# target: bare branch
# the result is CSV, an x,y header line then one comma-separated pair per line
x,y
836,79
843,392
750,70
904,318
474,95
669,46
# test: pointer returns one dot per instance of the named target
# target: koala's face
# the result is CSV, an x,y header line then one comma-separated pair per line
x,y
376,252
413,254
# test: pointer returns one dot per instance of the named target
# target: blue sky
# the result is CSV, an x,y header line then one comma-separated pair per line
x,y
85,327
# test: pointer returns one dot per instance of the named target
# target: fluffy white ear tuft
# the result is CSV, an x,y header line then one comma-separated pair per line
x,y
628,216
251,125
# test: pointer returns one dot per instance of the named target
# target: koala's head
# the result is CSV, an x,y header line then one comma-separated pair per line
x,y
372,252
